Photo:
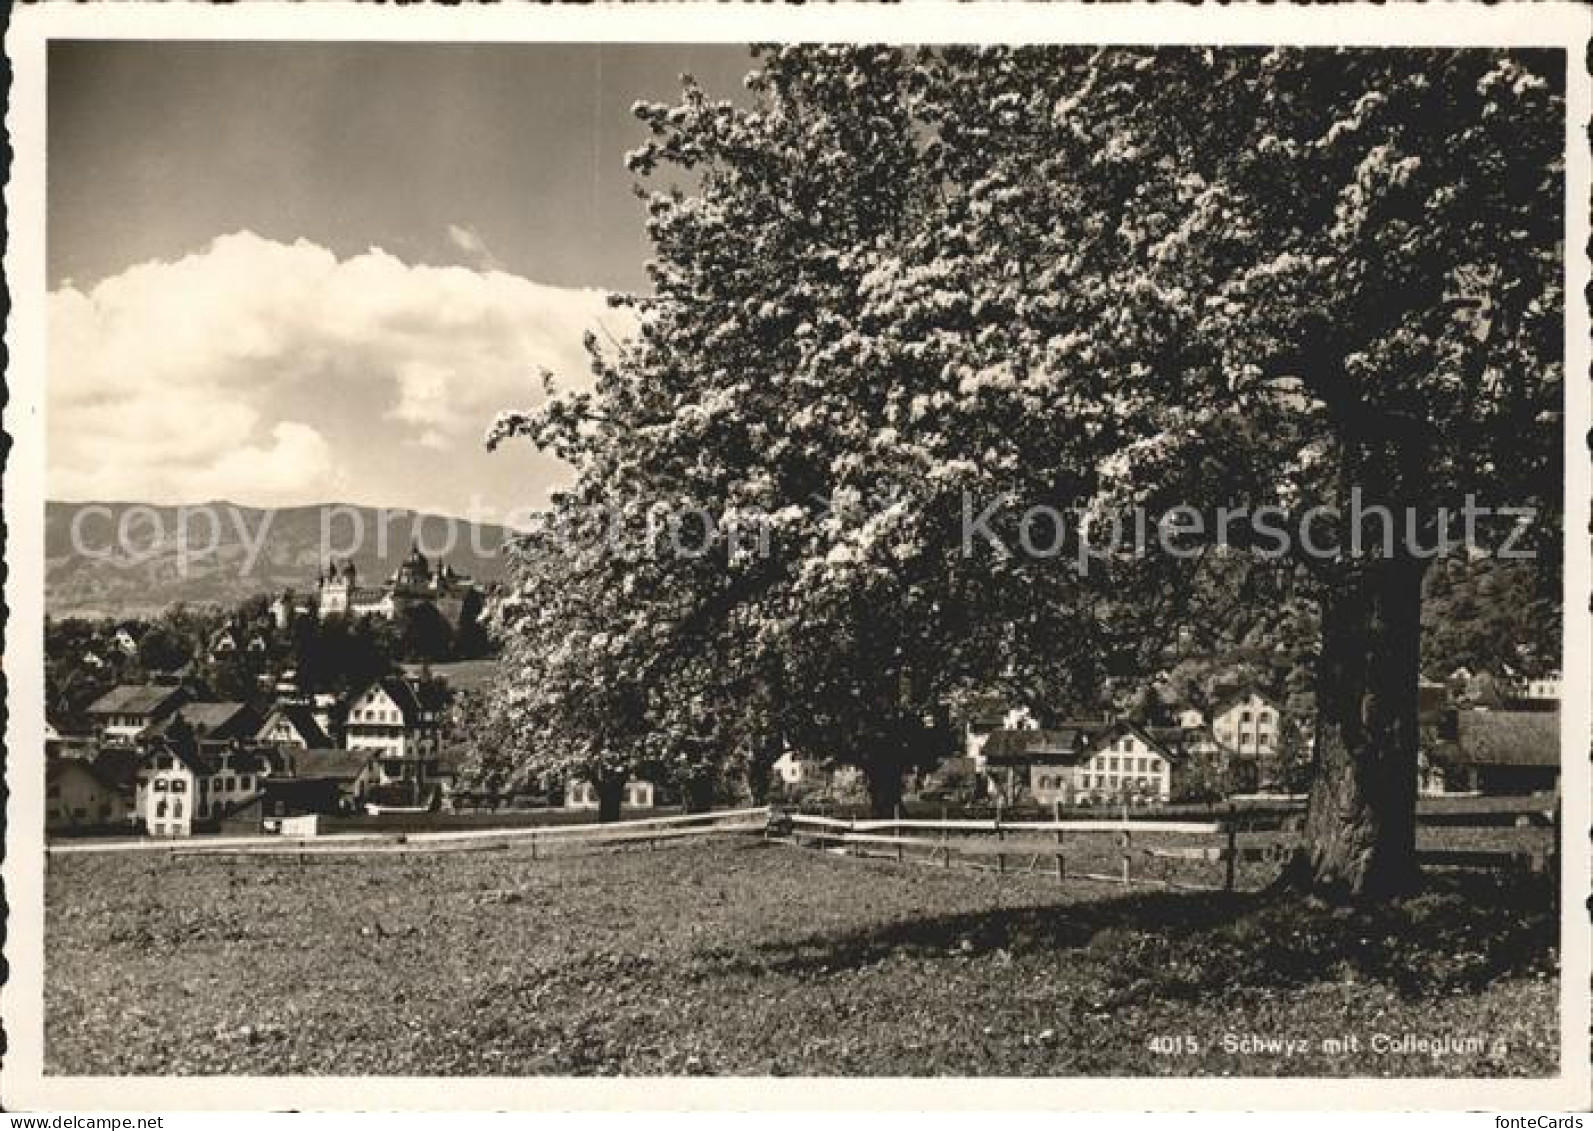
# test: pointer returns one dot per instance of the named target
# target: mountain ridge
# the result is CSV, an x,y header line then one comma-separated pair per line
x,y
127,558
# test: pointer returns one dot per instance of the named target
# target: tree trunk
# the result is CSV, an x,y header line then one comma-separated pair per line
x,y
884,778
1361,822
610,796
758,781
698,795
760,768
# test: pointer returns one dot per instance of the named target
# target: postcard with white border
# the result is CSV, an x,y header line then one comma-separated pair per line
x,y
643,556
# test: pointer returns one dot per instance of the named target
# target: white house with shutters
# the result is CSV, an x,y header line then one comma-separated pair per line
x,y
395,718
178,787
583,795
1544,687
1247,724
1123,763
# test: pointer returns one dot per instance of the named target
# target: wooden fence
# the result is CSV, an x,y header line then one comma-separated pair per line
x,y
1024,846
1012,846
537,840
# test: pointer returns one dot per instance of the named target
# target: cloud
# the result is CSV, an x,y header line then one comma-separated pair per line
x,y
469,241
275,373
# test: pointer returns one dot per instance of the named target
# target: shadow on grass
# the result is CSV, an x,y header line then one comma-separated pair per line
x,y
1461,933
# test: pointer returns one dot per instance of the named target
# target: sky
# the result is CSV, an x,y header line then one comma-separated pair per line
x,y
299,273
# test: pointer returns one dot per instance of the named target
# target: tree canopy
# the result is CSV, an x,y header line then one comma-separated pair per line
x,y
896,288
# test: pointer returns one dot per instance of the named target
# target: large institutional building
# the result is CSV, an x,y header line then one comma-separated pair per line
x,y
415,582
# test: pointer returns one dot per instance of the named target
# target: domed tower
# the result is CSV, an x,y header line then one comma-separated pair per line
x,y
414,573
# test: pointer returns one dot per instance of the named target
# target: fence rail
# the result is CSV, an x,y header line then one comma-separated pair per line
x,y
711,823
971,842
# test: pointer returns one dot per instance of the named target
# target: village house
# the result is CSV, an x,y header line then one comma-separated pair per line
x,y
293,725
126,638
1023,760
583,795
225,640
790,770
168,789
125,712
1040,761
288,607
1247,723
321,783
1545,687
1082,763
796,774
986,715
1125,762
1494,752
396,718
83,794
184,783
211,721
1202,762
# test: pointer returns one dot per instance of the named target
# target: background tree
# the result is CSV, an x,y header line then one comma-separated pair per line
x,y
572,700
162,650
424,635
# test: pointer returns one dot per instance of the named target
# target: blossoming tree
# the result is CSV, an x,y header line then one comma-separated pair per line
x,y
900,286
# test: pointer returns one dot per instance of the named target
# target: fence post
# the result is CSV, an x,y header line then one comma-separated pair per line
x,y
1230,874
1061,864
1127,843
1001,857
533,844
898,832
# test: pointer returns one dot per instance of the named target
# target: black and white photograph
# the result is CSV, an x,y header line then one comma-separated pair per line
x,y
841,549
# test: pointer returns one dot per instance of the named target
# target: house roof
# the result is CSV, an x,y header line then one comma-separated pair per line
x,y
1068,741
302,718
117,767
205,759
1170,738
57,768
246,759
1166,741
211,716
412,699
1508,738
986,709
190,756
135,699
215,720
342,765
1236,695
400,692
